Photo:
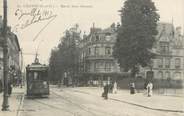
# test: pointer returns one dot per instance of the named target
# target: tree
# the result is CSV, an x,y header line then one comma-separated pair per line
x,y
66,57
136,35
54,65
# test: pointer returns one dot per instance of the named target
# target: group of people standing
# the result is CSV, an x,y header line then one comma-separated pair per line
x,y
148,86
113,89
109,88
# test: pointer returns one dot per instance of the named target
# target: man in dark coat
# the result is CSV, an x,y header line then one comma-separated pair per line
x,y
132,88
105,93
1,86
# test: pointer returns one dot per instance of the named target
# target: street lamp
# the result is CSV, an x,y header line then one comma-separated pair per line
x,y
5,105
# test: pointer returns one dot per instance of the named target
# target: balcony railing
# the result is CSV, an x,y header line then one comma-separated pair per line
x,y
177,66
164,52
99,57
104,70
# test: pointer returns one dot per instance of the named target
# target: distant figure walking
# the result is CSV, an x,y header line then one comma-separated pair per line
x,y
132,88
115,87
105,93
149,89
10,86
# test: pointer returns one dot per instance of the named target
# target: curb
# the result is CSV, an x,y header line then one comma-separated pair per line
x,y
20,105
158,109
151,108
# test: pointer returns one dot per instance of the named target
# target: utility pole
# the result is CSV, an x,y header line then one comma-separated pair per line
x,y
5,105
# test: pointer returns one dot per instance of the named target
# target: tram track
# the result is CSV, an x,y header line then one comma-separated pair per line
x,y
53,106
84,108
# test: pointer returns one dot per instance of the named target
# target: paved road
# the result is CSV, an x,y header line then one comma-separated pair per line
x,y
68,102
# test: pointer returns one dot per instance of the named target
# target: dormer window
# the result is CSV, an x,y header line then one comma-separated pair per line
x,y
164,47
97,38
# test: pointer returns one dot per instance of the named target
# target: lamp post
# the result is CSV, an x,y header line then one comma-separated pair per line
x,y
5,105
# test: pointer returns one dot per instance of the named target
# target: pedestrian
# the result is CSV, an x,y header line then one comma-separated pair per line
x,y
10,79
149,89
115,87
1,85
132,88
105,93
110,88
10,86
145,88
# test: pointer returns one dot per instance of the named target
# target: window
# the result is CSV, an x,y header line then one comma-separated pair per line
x,y
177,63
160,63
177,75
167,75
98,66
97,51
167,63
89,51
97,38
107,51
160,75
108,66
88,66
108,34
164,47
83,55
35,75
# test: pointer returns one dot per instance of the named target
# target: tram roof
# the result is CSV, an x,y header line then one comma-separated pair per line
x,y
37,66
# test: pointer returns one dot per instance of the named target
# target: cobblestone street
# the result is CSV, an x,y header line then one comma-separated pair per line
x,y
88,102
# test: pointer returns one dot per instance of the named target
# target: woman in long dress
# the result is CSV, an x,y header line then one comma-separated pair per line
x,y
149,89
115,88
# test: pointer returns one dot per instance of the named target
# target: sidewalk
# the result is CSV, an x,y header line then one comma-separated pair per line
x,y
156,102
15,102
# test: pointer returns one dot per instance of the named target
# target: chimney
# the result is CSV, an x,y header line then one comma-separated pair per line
x,y
178,31
93,25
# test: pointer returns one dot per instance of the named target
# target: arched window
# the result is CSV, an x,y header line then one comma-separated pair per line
x,y
160,75
107,50
167,75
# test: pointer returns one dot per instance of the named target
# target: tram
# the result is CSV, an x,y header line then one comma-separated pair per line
x,y
37,79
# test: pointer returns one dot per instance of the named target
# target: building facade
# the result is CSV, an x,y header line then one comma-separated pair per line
x,y
13,52
169,61
96,60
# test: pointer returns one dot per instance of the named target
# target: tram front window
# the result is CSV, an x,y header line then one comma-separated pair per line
x,y
35,76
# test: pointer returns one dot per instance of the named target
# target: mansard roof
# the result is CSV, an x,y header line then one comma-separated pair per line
x,y
167,33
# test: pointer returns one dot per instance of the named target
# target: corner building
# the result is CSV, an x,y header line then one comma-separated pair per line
x,y
97,65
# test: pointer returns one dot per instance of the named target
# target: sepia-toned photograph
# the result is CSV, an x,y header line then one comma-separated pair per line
x,y
91,57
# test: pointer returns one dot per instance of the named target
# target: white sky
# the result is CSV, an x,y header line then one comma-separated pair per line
x,y
102,12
